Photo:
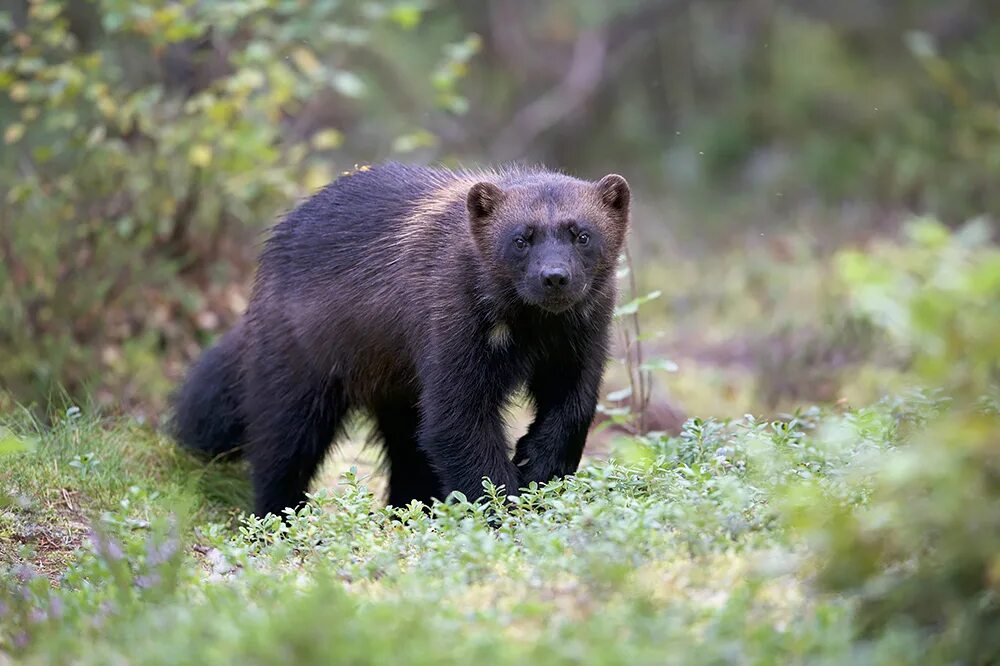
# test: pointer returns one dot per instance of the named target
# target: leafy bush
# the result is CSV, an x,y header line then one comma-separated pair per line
x,y
886,115
926,547
145,144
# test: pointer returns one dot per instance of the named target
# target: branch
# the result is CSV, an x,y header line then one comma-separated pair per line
x,y
584,75
589,67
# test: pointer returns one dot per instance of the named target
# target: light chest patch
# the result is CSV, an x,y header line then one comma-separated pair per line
x,y
499,336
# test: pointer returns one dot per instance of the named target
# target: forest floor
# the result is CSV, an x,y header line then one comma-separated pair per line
x,y
122,549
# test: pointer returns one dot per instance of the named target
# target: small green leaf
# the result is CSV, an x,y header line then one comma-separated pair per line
x,y
633,306
11,444
621,394
348,84
327,139
407,143
663,364
13,133
406,15
306,61
200,155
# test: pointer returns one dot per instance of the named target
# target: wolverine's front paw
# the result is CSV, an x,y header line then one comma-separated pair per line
x,y
506,485
529,471
475,489
541,470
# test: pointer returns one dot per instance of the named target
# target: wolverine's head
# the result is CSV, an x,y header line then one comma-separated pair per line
x,y
550,237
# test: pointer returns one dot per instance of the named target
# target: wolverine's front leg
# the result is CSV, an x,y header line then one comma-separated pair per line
x,y
565,394
461,428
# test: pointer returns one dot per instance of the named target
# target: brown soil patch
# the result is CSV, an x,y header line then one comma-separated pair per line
x,y
44,535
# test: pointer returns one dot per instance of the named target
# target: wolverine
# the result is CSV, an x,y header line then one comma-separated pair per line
x,y
425,298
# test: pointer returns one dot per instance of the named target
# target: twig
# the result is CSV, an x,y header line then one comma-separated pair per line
x,y
67,500
631,368
640,399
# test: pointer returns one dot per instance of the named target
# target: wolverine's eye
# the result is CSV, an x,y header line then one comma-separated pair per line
x,y
520,243
583,238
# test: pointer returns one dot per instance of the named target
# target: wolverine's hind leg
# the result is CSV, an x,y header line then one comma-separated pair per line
x,y
410,473
291,422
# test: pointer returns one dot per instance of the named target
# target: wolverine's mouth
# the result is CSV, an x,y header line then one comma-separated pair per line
x,y
554,303
549,302
565,301
556,306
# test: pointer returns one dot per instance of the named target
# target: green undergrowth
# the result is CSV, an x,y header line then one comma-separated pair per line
x,y
675,551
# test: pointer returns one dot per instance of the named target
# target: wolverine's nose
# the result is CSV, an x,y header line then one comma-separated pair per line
x,y
555,277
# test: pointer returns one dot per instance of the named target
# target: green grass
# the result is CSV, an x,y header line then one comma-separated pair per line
x,y
676,551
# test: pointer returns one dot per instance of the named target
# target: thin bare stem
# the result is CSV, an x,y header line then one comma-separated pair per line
x,y
641,399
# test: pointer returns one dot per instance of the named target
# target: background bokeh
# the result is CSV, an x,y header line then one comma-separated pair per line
x,y
146,145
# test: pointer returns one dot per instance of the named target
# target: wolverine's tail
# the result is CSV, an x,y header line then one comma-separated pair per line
x,y
207,418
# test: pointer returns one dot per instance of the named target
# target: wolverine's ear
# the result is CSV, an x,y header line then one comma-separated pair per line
x,y
614,193
483,200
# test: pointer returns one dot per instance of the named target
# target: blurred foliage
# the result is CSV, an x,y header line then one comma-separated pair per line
x,y
145,144
926,546
887,114
890,105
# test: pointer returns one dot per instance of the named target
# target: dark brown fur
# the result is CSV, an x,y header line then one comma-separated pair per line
x,y
424,297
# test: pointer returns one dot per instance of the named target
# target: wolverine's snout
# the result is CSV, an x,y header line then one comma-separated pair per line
x,y
555,278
